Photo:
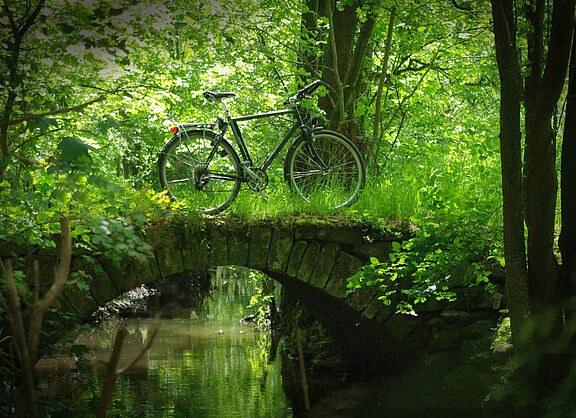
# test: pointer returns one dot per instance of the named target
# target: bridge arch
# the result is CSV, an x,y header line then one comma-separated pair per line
x,y
311,257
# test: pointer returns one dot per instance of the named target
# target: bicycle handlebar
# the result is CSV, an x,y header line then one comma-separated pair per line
x,y
305,92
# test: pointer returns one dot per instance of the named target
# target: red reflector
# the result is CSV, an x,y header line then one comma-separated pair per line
x,y
174,130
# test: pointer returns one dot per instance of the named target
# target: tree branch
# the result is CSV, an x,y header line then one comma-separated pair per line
x,y
558,54
463,7
141,354
53,112
40,307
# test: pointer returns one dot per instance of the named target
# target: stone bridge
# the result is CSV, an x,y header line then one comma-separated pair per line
x,y
312,258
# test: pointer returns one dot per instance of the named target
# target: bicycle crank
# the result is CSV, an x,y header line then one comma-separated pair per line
x,y
257,179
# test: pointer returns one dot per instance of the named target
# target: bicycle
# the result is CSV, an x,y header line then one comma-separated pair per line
x,y
200,166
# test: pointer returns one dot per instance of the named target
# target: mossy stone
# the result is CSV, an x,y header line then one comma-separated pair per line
x,y
279,252
346,265
260,236
309,261
326,260
295,258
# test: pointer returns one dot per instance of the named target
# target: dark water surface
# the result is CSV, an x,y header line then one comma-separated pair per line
x,y
204,362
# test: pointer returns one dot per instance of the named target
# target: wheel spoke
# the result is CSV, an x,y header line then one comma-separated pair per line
x,y
179,181
186,158
331,169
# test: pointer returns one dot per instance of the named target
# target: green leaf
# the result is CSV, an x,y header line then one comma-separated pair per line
x,y
43,124
82,285
72,149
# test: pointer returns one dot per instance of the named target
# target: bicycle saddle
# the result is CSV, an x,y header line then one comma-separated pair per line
x,y
214,96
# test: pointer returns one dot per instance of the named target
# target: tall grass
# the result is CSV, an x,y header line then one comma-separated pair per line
x,y
380,198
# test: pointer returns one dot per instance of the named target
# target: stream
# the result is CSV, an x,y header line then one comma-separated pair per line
x,y
204,361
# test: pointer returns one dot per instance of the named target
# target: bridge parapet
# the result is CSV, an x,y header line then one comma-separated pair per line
x,y
321,253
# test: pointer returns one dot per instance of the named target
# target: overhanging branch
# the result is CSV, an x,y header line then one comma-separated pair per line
x,y
53,112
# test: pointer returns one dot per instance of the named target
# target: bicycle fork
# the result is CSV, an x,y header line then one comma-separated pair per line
x,y
310,140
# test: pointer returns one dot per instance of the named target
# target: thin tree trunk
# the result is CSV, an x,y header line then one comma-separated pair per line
x,y
27,347
111,373
338,114
19,30
353,77
511,163
308,39
61,276
376,135
26,403
543,88
567,241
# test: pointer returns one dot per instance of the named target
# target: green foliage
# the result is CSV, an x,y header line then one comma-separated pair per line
x,y
438,161
261,300
430,266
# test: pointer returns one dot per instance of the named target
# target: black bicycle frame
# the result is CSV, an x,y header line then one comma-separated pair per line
x,y
233,122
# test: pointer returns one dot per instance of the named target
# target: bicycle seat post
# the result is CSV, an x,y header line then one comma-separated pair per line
x,y
227,115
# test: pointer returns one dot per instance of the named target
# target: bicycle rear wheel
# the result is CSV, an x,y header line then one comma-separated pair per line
x,y
187,174
327,170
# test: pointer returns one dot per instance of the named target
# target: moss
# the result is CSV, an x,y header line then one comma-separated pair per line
x,y
503,333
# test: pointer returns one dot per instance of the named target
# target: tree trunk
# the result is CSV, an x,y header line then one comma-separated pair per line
x,y
376,134
543,88
567,241
511,162
309,36
343,57
19,28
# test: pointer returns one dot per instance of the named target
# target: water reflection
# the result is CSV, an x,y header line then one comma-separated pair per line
x,y
203,363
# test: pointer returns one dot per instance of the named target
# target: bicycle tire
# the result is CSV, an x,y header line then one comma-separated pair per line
x,y
185,176
328,170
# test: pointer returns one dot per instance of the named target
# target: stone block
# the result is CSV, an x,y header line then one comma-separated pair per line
x,y
167,234
341,234
295,258
217,247
169,260
195,258
193,236
63,307
146,271
381,250
325,264
309,261
121,274
238,246
346,265
130,277
260,237
81,301
304,231
280,247
103,289
360,299
375,306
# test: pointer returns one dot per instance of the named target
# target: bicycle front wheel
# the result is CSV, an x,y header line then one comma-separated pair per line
x,y
191,170
327,169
